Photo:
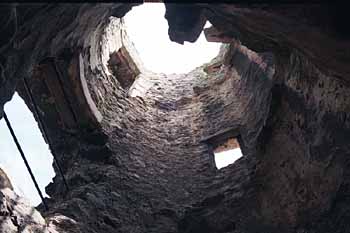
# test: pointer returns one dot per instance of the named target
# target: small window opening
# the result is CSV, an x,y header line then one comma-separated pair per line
x,y
227,153
225,147
122,66
34,146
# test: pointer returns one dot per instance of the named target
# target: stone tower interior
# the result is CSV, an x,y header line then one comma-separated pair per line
x,y
137,147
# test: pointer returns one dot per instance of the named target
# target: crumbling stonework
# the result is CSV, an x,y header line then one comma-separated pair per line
x,y
4,180
137,159
16,215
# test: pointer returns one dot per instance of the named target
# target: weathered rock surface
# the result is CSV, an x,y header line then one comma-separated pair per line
x,y
17,216
4,180
138,160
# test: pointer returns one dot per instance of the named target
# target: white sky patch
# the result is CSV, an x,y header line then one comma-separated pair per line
x,y
226,158
33,144
148,29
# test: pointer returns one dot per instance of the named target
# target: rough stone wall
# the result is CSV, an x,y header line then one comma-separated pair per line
x,y
16,214
313,172
145,167
297,175
46,30
294,180
152,163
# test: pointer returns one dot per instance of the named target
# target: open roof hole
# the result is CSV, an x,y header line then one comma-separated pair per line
x,y
227,153
34,146
148,30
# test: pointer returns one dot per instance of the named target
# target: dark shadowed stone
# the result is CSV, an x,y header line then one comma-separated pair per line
x,y
186,24
281,85
4,180
95,138
96,153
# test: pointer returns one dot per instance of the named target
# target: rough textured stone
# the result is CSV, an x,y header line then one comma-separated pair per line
x,y
4,180
230,144
280,85
16,215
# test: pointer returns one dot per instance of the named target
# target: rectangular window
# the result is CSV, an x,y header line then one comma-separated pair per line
x,y
227,153
225,147
122,66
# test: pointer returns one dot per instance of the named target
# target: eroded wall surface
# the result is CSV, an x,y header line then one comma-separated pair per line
x,y
137,160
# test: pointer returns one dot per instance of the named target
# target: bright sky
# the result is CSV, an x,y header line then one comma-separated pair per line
x,y
228,157
37,152
148,29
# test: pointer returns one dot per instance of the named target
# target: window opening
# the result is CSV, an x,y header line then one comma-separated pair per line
x,y
227,153
33,143
122,66
225,147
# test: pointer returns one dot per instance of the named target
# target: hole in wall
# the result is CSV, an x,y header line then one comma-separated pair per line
x,y
227,153
34,146
122,66
148,30
225,147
